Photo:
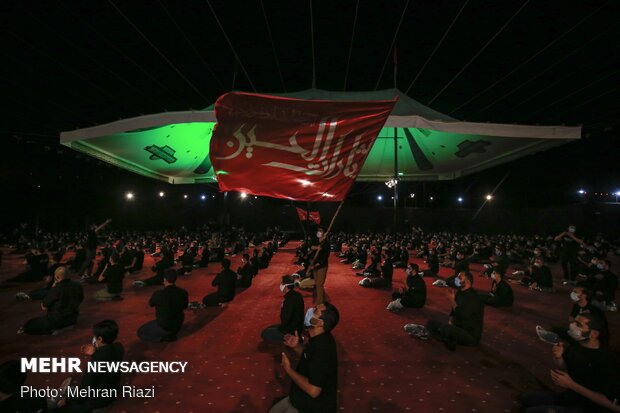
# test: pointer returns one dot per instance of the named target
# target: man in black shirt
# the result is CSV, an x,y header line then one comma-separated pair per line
x,y
319,269
314,384
466,318
103,349
413,294
245,273
225,282
36,262
92,241
586,362
61,303
113,276
291,313
501,294
170,304
568,255
540,277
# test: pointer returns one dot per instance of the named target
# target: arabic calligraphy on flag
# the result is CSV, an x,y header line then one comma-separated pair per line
x,y
303,150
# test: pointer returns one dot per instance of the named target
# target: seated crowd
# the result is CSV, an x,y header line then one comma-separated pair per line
x,y
584,366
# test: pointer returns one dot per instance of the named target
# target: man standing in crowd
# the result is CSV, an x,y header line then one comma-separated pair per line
x,y
320,265
170,304
92,241
568,255
314,384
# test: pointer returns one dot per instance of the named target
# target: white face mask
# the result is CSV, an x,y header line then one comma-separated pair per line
x,y
94,342
576,332
574,296
494,277
571,230
319,234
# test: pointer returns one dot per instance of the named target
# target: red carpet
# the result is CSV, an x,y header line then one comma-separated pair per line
x,y
381,368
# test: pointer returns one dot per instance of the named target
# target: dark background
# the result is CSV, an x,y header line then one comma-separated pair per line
x,y
73,64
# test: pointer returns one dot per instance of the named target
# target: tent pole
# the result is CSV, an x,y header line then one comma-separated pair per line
x,y
395,176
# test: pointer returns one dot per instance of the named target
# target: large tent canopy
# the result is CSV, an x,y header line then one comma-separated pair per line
x,y
174,146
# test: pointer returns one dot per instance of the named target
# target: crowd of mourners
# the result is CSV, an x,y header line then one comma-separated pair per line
x,y
58,265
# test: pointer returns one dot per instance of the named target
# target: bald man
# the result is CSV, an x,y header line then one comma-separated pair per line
x,y
61,305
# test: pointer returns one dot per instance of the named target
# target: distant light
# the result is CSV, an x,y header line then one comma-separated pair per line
x,y
185,196
391,183
255,197
380,197
581,192
431,198
243,195
304,182
460,199
129,195
392,197
400,174
412,195
203,197
212,196
489,197
161,194
617,193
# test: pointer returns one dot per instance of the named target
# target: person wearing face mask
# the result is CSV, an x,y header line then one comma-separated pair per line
x,y
382,280
291,313
412,295
104,348
314,383
499,263
604,285
61,304
540,278
587,363
466,318
501,294
568,254
319,269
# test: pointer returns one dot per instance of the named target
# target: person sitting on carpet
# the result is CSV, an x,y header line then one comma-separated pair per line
x,y
540,278
113,276
245,273
501,294
589,365
499,262
314,386
604,286
167,261
170,304
466,318
291,313
413,294
11,399
104,349
36,267
61,303
461,264
380,280
225,282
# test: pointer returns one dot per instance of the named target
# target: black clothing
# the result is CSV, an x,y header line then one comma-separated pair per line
x,y
62,303
542,276
114,278
469,313
91,240
591,368
415,295
461,266
25,404
113,352
225,282
322,260
502,295
292,313
319,363
170,304
247,273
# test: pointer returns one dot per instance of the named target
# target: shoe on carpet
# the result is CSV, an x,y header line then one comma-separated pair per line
x,y
547,336
409,328
139,283
195,305
22,296
440,283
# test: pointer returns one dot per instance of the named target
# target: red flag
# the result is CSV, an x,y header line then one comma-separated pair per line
x,y
304,150
313,216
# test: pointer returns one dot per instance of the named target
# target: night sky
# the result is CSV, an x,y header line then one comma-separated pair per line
x,y
70,65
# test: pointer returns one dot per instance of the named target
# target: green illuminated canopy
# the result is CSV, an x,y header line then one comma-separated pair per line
x,y
174,146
